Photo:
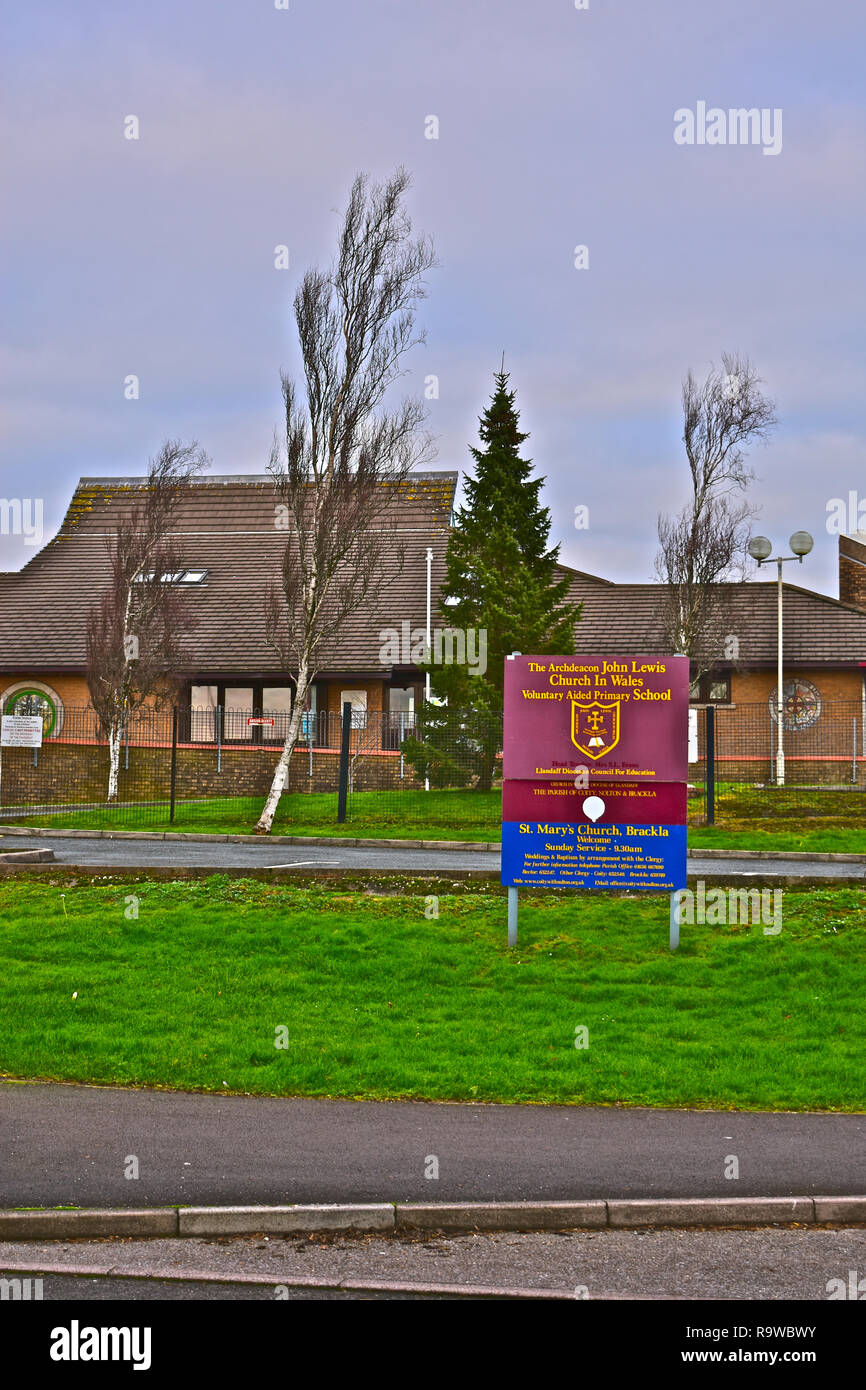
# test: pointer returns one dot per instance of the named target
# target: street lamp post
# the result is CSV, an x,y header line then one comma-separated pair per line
x,y
429,558
761,550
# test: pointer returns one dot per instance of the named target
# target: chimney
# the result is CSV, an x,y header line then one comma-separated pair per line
x,y
852,569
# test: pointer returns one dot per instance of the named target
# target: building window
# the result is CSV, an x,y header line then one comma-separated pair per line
x,y
358,700
710,690
309,719
401,706
401,701
173,577
238,707
202,714
276,705
236,713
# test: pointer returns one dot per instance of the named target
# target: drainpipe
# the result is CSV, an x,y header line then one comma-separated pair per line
x,y
780,699
429,627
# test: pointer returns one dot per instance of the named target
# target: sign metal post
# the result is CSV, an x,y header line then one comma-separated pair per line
x,y
675,921
512,916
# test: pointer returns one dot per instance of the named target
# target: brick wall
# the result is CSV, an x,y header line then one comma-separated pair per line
x,y
78,774
72,690
755,687
852,571
335,689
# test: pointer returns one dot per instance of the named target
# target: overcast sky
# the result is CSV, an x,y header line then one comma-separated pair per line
x,y
155,256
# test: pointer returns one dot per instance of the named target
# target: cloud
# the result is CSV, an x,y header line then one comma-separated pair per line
x,y
155,256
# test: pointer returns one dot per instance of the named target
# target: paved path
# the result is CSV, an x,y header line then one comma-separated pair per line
x,y
763,1264
64,1144
220,855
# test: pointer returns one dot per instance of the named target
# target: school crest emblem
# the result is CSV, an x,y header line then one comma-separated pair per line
x,y
595,727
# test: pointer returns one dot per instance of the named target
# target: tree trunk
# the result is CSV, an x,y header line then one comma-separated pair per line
x,y
281,775
114,741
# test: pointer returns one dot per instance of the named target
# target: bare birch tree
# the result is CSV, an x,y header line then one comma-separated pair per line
x,y
703,547
343,458
134,630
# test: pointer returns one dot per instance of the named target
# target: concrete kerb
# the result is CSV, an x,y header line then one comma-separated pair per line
x,y
26,856
482,846
44,1224
500,1216
230,1221
802,856
715,1211
407,1217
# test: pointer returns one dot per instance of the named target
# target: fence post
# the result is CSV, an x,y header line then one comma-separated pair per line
x,y
854,753
173,761
711,764
344,762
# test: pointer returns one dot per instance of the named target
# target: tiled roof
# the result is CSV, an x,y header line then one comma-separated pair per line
x,y
623,618
226,526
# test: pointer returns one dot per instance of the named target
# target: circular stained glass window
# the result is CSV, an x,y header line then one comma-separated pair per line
x,y
39,700
801,703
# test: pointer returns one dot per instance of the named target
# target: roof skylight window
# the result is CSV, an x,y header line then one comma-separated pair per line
x,y
174,577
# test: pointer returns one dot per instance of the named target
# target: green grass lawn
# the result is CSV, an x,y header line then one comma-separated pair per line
x,y
442,815
820,836
793,802
380,1001
417,815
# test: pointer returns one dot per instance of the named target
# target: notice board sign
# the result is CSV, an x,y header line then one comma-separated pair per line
x,y
21,731
595,764
658,803
587,856
622,718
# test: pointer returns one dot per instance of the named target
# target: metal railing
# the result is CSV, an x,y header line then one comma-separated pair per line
x,y
191,757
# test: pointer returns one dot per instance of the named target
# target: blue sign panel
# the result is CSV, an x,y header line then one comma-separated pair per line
x,y
593,856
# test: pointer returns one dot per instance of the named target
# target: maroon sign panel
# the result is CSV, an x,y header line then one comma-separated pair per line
x,y
618,717
604,803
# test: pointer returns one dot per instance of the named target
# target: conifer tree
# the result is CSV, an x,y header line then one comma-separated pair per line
x,y
501,579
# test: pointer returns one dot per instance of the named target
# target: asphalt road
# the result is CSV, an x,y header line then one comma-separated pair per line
x,y
220,855
755,1265
66,1144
